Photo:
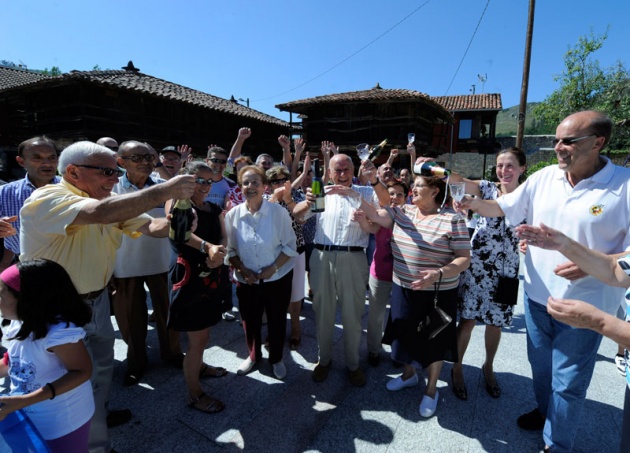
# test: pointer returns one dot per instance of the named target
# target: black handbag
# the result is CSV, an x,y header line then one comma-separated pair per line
x,y
506,292
437,320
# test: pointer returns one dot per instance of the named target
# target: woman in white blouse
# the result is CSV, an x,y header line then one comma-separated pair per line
x,y
261,243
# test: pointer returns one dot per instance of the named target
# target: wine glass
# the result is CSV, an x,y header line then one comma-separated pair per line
x,y
363,151
411,137
458,190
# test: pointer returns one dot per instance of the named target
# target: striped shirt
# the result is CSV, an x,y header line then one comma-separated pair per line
x,y
334,225
425,244
12,197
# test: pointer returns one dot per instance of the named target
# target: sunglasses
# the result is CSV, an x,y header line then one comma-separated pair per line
x,y
136,158
570,141
278,181
105,171
207,182
215,160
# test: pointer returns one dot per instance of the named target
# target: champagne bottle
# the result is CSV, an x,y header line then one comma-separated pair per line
x,y
317,188
374,153
180,228
430,169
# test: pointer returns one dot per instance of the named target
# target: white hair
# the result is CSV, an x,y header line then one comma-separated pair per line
x,y
80,153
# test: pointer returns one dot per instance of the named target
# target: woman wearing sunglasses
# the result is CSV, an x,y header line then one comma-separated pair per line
x,y
196,300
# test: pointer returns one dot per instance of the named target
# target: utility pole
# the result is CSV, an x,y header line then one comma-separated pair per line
x,y
520,129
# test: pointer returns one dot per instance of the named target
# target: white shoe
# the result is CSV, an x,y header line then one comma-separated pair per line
x,y
620,361
245,367
428,405
397,383
279,370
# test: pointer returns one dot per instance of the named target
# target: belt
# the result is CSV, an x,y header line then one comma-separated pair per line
x,y
92,294
338,248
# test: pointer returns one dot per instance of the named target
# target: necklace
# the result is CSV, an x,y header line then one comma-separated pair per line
x,y
420,217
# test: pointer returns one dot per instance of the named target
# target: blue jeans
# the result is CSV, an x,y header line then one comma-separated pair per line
x,y
562,360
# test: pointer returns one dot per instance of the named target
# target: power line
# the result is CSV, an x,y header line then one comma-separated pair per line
x,y
467,48
348,57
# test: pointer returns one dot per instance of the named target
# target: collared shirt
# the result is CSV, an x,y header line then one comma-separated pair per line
x,y
145,255
334,225
12,197
595,213
259,238
87,252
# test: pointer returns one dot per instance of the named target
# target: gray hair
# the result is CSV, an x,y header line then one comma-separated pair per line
x,y
262,156
80,153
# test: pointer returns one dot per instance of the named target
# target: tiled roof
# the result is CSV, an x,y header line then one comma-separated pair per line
x,y
14,77
376,94
142,83
470,102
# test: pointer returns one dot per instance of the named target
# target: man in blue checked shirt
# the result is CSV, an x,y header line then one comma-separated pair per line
x,y
38,156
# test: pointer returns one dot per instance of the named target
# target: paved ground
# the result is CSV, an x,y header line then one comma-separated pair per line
x,y
297,414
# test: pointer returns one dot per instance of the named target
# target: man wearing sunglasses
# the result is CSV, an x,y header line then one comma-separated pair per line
x,y
141,261
217,160
587,198
79,224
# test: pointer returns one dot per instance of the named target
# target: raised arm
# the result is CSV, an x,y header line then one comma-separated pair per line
x,y
285,144
299,144
243,134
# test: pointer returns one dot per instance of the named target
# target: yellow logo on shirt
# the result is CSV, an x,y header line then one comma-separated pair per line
x,y
596,210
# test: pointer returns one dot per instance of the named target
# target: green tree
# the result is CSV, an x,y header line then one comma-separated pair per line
x,y
585,85
54,71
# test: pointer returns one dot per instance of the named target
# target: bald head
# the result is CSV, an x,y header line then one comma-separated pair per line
x,y
592,122
341,169
108,142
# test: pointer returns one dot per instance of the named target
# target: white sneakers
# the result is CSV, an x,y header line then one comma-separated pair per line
x,y
279,370
245,367
398,384
428,405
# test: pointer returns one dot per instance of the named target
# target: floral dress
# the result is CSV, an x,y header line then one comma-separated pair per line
x,y
494,253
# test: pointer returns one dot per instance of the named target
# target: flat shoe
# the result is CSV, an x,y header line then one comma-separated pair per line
x,y
357,377
205,403
279,370
132,377
245,367
459,390
398,384
208,371
428,405
374,359
493,390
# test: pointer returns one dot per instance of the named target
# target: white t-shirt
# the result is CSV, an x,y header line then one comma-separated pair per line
x,y
145,255
218,191
596,213
31,366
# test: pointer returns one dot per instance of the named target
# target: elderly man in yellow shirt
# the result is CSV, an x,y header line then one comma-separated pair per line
x,y
79,224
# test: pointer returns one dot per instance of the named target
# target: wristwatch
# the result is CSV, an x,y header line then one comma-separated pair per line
x,y
202,249
377,181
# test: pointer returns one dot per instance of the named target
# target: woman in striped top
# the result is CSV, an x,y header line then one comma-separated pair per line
x,y
430,247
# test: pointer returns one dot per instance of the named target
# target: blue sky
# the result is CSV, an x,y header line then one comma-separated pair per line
x,y
270,51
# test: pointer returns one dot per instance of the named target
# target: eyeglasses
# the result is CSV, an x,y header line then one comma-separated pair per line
x,y
105,171
216,160
136,158
171,158
278,181
207,182
570,141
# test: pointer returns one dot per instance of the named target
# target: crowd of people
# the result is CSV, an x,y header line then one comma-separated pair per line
x,y
100,230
